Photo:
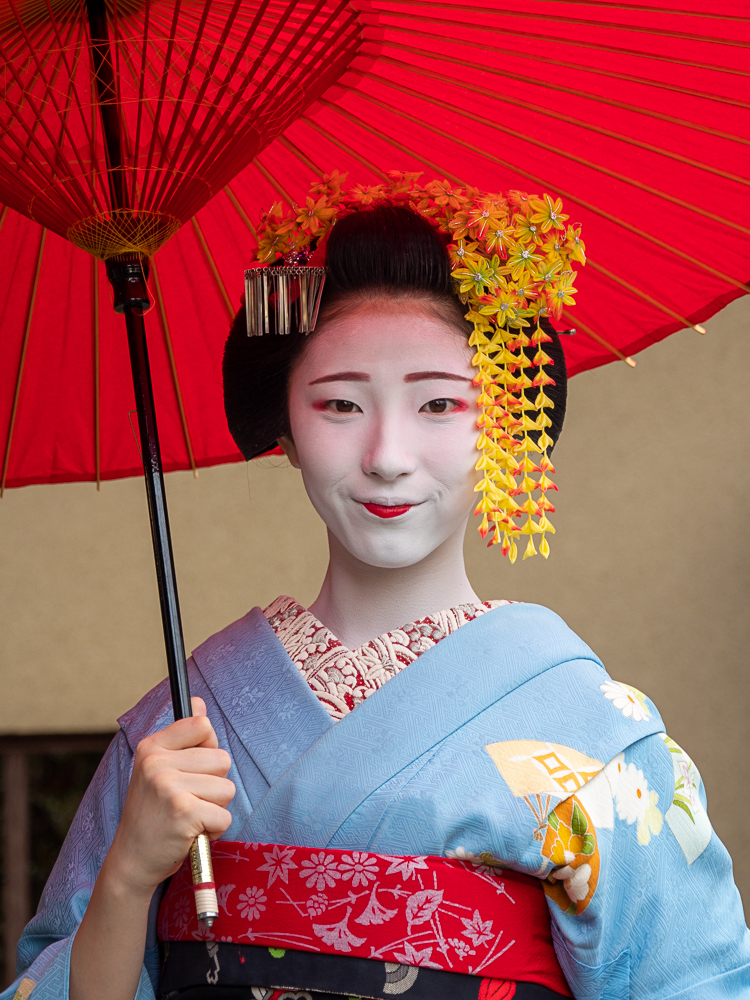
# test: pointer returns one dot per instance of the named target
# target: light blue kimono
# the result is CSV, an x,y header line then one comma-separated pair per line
x,y
491,746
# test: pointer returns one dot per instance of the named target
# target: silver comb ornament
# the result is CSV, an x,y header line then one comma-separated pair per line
x,y
278,291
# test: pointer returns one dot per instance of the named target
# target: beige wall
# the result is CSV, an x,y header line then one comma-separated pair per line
x,y
650,563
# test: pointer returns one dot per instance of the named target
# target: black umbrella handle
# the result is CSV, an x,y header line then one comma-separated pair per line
x,y
127,274
152,470
157,509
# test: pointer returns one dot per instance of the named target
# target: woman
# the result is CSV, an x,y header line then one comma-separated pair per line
x,y
430,831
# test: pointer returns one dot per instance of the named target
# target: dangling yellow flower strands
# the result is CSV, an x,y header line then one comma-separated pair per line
x,y
511,259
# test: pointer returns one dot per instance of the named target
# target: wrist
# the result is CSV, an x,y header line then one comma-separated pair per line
x,y
123,878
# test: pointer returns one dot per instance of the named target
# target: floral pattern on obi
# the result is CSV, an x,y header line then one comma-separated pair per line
x,y
342,678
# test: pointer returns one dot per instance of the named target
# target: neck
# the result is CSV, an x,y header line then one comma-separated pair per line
x,y
358,602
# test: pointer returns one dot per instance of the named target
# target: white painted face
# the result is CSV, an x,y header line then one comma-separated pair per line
x,y
383,419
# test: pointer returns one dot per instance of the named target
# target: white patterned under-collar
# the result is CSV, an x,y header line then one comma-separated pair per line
x,y
342,678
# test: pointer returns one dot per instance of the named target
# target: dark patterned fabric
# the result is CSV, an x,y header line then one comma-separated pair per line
x,y
214,970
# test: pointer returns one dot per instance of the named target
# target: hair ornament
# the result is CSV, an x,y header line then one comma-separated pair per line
x,y
512,260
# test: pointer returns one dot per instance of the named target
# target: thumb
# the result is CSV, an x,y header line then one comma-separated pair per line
x,y
199,706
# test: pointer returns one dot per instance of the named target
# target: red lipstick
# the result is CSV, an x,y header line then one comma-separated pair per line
x,y
380,510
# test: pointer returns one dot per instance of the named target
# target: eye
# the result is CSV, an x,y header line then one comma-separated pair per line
x,y
342,406
440,406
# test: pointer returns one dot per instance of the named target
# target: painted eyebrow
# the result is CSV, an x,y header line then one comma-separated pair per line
x,y
342,377
435,376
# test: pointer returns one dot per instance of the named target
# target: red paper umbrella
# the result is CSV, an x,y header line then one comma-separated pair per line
x,y
637,115
118,124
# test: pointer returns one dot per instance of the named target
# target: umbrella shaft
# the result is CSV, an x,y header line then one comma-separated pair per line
x,y
157,507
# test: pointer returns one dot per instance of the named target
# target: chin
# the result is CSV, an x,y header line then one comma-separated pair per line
x,y
388,560
395,552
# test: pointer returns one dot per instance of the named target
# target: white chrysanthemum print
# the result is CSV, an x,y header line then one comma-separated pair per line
x,y
629,700
358,867
632,794
321,871
252,903
637,803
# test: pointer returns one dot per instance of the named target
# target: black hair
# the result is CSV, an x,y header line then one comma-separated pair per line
x,y
387,250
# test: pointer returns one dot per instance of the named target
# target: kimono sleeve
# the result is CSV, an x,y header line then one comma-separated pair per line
x,y
647,908
43,957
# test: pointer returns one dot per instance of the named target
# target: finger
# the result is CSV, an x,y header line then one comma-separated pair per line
x,y
194,732
170,786
161,764
216,822
204,817
200,760
200,711
208,788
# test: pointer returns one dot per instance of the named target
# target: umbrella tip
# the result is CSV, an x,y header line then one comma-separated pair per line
x,y
699,328
629,361
195,473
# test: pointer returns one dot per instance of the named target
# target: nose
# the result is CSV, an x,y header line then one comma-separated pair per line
x,y
388,456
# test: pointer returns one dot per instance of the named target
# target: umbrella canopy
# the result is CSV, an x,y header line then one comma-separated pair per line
x,y
637,115
122,119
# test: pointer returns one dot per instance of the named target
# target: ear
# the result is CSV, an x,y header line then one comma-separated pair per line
x,y
288,447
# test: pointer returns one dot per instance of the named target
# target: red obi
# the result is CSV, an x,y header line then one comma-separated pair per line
x,y
435,913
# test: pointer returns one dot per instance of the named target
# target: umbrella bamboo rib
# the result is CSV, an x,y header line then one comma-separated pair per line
x,y
579,67
499,96
50,93
643,8
579,324
394,142
39,165
208,122
240,211
273,182
97,408
214,270
666,309
644,295
571,156
582,22
538,180
296,151
682,122
76,100
556,39
343,147
173,366
21,361
37,125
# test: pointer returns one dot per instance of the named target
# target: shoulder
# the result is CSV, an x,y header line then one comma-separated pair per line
x,y
225,653
566,665
527,629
